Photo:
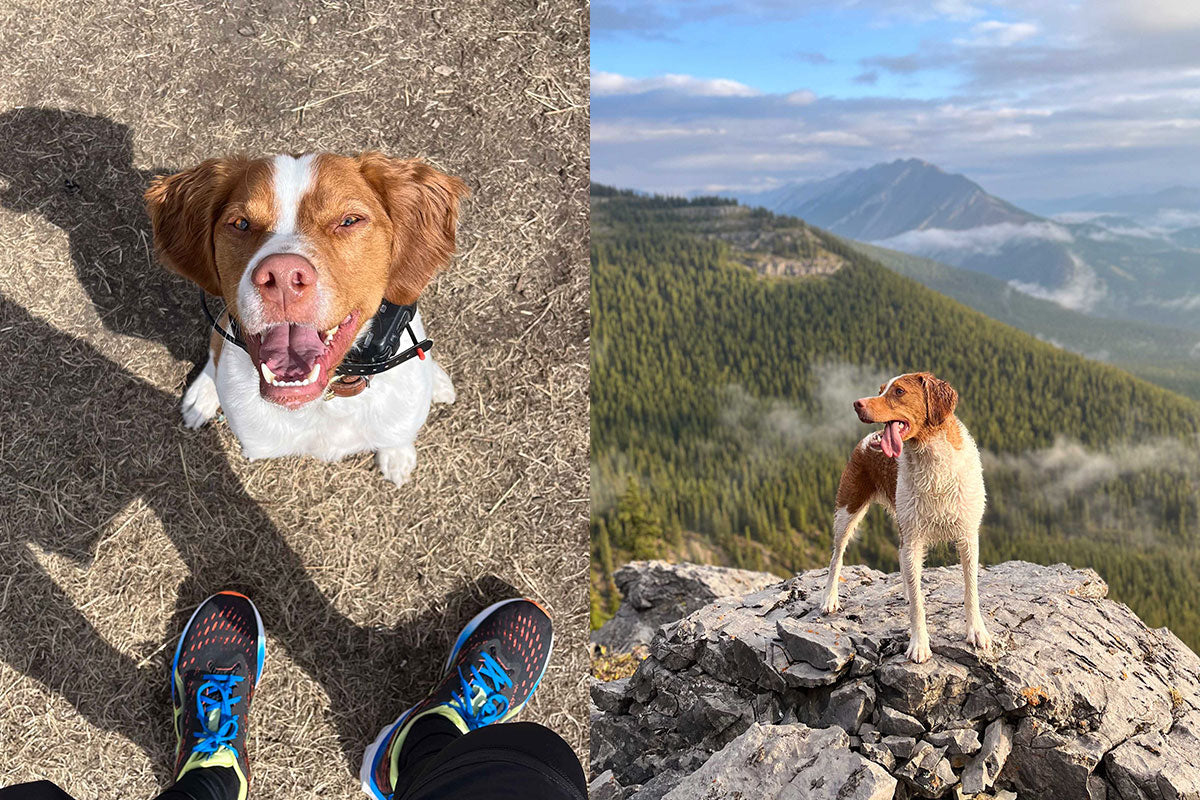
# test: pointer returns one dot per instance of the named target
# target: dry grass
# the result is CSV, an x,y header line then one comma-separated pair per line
x,y
114,520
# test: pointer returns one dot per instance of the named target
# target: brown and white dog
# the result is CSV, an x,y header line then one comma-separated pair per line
x,y
924,468
303,249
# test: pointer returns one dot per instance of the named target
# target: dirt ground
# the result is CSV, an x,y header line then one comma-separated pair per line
x,y
115,520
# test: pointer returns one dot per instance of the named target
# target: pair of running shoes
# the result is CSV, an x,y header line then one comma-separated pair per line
x,y
495,665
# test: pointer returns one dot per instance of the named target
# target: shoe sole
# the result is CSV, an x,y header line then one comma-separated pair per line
x,y
367,770
262,640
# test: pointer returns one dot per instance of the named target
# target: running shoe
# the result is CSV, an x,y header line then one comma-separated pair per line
x,y
217,665
493,669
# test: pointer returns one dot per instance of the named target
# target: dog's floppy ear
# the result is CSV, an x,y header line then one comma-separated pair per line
x,y
183,209
422,204
940,399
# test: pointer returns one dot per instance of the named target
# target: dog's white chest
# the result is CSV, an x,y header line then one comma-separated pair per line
x,y
389,413
939,489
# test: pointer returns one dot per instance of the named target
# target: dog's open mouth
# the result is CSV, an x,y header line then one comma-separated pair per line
x,y
295,360
891,439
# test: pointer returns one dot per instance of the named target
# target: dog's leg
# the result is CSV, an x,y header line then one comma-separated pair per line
x,y
443,389
397,463
912,560
844,523
200,401
969,555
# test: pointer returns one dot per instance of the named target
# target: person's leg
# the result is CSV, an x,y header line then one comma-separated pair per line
x,y
517,761
493,669
217,664
200,784
216,783
39,790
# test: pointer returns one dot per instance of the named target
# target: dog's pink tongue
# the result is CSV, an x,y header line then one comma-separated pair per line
x,y
290,351
892,443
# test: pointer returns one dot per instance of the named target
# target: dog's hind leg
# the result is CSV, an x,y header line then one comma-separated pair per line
x,y
912,561
200,401
977,634
443,389
844,523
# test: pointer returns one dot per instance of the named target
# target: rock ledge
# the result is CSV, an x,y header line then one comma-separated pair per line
x,y
757,694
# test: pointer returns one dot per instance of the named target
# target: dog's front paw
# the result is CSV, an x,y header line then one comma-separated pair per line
x,y
831,605
978,636
397,463
200,401
918,649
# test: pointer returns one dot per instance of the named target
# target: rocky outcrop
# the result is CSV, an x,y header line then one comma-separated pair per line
x,y
655,592
1078,698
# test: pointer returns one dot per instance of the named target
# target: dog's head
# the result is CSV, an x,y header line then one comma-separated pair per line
x,y
303,249
911,406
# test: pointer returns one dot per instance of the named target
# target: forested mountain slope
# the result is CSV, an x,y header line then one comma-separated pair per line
x,y
721,411
1167,356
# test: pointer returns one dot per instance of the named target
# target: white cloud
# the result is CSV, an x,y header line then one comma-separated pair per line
x,y
1069,467
984,240
994,33
1047,100
1081,292
729,160
1173,219
837,138
1158,16
800,98
957,9
1188,302
611,83
606,132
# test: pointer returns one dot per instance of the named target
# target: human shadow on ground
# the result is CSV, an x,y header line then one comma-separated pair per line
x,y
81,438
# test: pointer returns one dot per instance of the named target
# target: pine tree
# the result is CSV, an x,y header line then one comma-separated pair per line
x,y
641,530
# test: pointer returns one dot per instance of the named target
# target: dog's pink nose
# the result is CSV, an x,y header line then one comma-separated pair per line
x,y
859,405
284,279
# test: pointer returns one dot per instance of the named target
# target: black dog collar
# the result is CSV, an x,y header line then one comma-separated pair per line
x,y
378,348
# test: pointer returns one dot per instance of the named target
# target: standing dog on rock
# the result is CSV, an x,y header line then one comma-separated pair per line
x,y
924,468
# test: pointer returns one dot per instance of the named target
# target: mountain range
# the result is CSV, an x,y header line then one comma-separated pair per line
x,y
887,200
1143,206
1135,257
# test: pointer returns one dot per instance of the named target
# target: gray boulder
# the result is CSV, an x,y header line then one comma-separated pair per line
x,y
927,771
605,787
787,762
657,592
897,723
981,772
1158,765
1077,699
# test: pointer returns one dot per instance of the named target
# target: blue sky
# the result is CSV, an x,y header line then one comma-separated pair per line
x,y
1035,100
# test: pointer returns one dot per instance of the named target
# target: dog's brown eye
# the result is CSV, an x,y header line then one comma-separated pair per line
x,y
350,219
899,391
241,223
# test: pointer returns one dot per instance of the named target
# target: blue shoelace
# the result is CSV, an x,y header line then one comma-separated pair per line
x,y
482,700
216,694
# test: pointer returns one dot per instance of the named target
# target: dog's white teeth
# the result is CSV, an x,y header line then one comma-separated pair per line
x,y
274,381
329,334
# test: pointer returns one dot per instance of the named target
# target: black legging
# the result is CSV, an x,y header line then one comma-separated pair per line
x,y
513,761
